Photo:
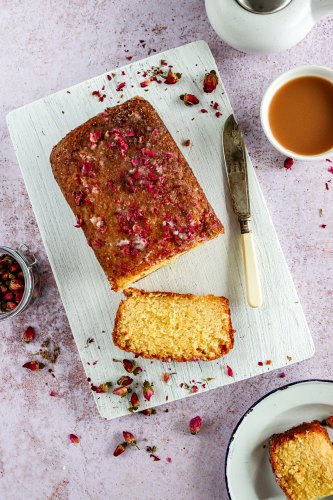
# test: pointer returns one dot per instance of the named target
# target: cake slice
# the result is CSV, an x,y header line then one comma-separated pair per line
x,y
171,326
132,191
302,461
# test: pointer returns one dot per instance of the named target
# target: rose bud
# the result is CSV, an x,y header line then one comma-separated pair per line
x,y
18,297
121,391
147,390
125,380
137,370
148,412
3,289
189,99
14,267
195,425
8,296
102,388
129,439
172,77
29,334
34,366
120,449
135,402
10,306
210,82
74,439
16,285
129,365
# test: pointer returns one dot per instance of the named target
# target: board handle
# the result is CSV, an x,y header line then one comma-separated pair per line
x,y
253,286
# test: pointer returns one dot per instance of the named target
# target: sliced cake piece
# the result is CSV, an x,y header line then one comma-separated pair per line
x,y
132,191
302,461
171,326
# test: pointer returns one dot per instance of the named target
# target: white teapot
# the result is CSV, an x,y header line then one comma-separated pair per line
x,y
265,26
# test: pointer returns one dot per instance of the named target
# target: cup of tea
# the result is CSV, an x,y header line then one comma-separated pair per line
x,y
297,113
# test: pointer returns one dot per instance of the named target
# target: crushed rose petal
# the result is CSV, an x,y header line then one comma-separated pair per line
x,y
29,334
330,170
218,114
203,111
79,221
169,460
230,371
288,163
282,375
166,377
329,422
194,388
210,81
156,459
120,86
323,225
74,439
53,394
187,142
145,83
195,425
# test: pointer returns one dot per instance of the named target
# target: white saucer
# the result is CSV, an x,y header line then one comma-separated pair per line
x,y
248,472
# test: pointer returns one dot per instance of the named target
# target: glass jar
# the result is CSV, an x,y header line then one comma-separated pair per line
x,y
32,278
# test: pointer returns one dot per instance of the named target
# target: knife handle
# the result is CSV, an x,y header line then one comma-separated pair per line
x,y
253,287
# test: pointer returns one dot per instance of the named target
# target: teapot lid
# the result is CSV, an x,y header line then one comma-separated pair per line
x,y
263,6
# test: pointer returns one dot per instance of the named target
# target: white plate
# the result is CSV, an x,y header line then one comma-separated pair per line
x,y
248,472
277,331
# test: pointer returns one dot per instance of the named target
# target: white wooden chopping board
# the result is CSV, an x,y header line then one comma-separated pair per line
x,y
277,331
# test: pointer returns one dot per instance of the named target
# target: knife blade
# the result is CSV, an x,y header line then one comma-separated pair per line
x,y
236,167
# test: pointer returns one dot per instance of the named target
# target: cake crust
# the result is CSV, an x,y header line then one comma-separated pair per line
x,y
132,191
119,334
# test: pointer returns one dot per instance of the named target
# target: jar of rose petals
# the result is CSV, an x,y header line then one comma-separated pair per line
x,y
20,281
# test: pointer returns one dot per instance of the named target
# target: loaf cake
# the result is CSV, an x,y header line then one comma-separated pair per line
x,y
302,461
171,326
132,191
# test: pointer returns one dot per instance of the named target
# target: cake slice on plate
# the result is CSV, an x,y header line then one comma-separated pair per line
x,y
302,461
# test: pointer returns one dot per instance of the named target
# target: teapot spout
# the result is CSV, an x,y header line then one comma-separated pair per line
x,y
321,9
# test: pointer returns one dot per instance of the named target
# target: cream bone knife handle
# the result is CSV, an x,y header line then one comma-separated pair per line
x,y
253,286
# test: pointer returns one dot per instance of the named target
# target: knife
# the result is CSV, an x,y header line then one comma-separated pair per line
x,y
236,166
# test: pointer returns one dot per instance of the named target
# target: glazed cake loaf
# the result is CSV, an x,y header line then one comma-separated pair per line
x,y
302,461
132,191
171,326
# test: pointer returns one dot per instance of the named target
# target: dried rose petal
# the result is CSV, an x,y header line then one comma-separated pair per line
x,y
53,394
194,388
195,425
147,390
323,225
129,438
10,306
187,142
125,380
203,110
79,221
172,77
74,439
282,375
18,297
330,170
148,412
218,114
129,58
168,459
229,371
120,449
145,83
121,391
189,99
210,81
29,334
95,136
34,366
121,86
166,377
288,163
156,459
8,296
260,363
102,388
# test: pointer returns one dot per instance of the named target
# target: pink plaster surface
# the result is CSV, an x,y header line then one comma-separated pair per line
x,y
46,46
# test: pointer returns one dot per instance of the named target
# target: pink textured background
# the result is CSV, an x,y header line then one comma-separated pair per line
x,y
46,46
